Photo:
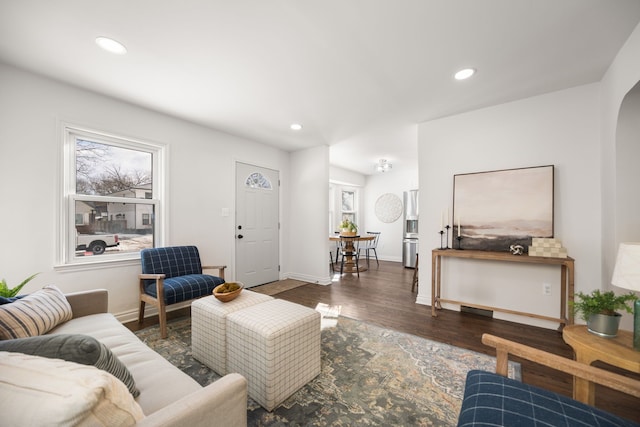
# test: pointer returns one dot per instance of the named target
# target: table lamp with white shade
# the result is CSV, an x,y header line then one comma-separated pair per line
x,y
626,275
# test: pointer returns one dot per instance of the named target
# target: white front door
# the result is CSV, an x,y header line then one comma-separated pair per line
x,y
257,227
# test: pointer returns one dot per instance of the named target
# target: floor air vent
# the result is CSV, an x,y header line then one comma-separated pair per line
x,y
478,311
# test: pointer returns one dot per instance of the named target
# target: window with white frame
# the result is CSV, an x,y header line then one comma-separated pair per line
x,y
349,210
112,197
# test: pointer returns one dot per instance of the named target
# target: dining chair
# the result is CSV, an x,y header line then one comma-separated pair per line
x,y
372,245
333,268
349,248
414,282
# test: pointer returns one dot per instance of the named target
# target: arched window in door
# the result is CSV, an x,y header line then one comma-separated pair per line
x,y
257,180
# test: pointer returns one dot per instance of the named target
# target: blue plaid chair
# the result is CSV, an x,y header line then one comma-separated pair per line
x,y
171,275
492,399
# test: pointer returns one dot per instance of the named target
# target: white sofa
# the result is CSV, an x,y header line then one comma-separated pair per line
x,y
168,397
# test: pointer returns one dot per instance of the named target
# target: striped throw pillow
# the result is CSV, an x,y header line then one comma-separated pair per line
x,y
35,314
110,363
77,348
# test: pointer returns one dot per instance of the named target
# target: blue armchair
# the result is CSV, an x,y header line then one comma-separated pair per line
x,y
171,275
492,399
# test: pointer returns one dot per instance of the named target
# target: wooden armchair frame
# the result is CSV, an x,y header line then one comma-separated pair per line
x,y
159,301
506,347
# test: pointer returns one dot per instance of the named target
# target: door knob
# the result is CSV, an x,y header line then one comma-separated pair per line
x,y
240,236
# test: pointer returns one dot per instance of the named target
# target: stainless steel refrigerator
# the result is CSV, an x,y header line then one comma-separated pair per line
x,y
410,229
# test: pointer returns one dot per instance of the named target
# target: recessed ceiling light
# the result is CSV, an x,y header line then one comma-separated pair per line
x,y
464,73
111,45
296,126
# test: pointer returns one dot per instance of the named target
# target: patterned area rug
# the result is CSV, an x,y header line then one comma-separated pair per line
x,y
370,376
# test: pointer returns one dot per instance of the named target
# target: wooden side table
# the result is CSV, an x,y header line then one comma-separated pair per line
x,y
590,347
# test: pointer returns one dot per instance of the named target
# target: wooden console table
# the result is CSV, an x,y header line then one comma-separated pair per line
x,y
566,279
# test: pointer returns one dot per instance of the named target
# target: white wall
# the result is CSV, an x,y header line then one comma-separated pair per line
x,y
346,177
627,170
559,128
308,241
200,183
394,182
620,78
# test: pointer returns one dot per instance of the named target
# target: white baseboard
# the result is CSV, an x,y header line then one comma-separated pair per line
x,y
132,315
128,316
307,278
423,299
389,258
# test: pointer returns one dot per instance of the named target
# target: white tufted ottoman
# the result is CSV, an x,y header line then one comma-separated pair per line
x,y
209,324
275,345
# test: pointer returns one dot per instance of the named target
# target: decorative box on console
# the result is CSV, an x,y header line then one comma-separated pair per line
x,y
547,247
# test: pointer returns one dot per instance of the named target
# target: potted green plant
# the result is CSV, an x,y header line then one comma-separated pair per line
x,y
7,292
348,228
600,310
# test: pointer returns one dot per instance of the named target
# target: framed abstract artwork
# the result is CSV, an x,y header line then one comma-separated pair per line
x,y
496,209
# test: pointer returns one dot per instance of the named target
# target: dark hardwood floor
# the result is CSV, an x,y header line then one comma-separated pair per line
x,y
382,296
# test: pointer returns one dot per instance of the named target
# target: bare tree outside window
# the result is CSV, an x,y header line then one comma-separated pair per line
x,y
106,170
111,171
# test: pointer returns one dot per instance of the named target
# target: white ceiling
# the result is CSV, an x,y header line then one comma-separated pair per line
x,y
358,74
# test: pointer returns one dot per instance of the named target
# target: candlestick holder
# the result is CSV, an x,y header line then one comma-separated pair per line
x,y
459,239
447,227
441,232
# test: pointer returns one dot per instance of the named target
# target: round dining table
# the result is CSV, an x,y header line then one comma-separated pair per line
x,y
350,262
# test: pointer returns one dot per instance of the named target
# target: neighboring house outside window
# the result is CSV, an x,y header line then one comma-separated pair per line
x,y
112,187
